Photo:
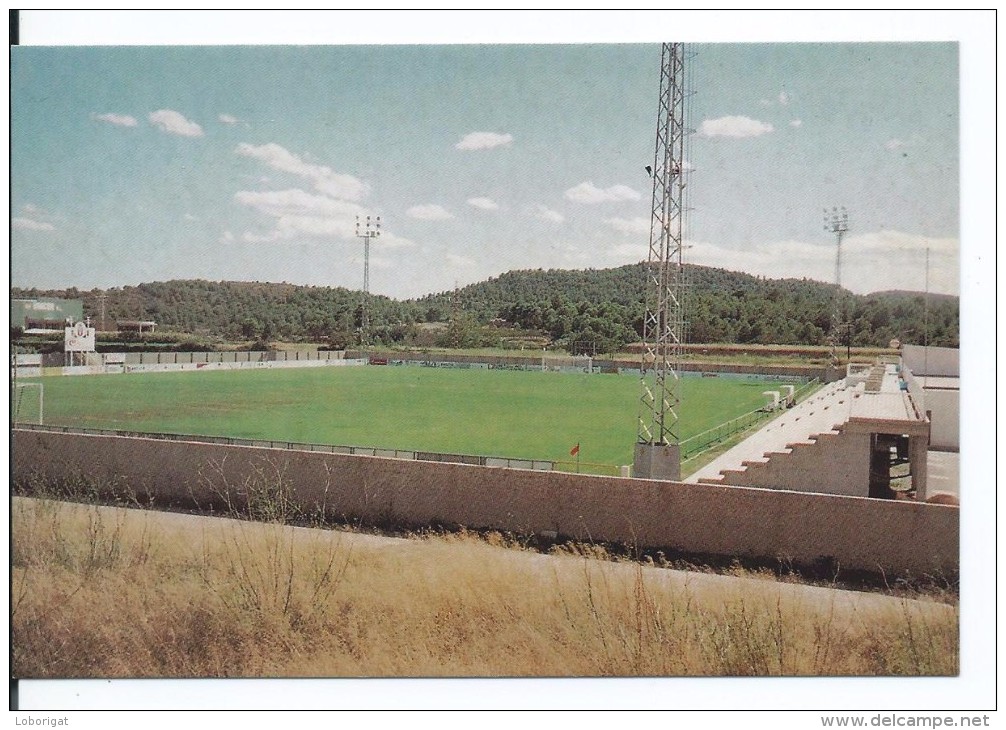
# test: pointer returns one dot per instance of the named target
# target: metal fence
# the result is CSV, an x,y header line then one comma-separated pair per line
x,y
476,460
589,467
690,448
700,442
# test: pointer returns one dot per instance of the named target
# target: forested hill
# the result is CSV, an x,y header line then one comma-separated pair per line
x,y
598,306
721,306
518,291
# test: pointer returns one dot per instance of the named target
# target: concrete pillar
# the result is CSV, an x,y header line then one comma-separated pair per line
x,y
773,400
657,461
918,454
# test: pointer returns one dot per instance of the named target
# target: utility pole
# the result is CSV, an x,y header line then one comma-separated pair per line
x,y
837,223
370,229
101,298
658,443
925,321
454,326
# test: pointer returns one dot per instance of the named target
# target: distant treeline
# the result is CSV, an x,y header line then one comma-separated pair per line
x,y
598,310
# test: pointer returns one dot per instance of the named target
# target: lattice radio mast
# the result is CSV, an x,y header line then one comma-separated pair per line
x,y
658,453
370,229
837,222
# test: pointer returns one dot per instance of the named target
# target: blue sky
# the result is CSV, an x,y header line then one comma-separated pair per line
x,y
133,164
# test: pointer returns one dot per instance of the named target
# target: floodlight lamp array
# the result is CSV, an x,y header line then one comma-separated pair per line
x,y
371,227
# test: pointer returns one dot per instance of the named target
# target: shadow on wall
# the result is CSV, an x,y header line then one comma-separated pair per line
x,y
800,528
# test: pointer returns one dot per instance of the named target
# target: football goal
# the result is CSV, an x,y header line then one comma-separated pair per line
x,y
28,403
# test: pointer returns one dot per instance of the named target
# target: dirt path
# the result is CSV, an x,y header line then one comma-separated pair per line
x,y
195,528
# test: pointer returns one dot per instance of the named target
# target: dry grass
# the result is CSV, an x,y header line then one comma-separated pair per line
x,y
108,592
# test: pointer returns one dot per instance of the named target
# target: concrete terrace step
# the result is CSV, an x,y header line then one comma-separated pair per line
x,y
779,452
821,416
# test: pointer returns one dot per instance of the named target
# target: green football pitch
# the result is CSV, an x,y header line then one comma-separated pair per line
x,y
525,415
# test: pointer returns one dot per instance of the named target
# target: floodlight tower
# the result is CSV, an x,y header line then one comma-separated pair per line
x,y
836,221
658,444
371,229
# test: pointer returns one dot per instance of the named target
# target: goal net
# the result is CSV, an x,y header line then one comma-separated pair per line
x,y
28,402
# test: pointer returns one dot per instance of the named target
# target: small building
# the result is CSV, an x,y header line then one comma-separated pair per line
x,y
135,325
45,314
938,371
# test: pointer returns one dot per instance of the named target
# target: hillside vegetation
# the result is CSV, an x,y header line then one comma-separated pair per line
x,y
594,310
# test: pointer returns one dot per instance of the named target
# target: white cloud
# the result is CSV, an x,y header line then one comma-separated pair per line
x,y
295,201
226,238
301,226
390,240
430,212
190,217
171,122
32,209
782,99
298,214
587,192
617,254
896,242
547,214
298,227
28,224
460,262
483,141
483,203
381,262
119,120
326,180
228,119
796,123
734,126
329,212
630,226
871,262
897,144
894,260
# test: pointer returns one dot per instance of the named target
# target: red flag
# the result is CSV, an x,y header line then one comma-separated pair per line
x,y
575,450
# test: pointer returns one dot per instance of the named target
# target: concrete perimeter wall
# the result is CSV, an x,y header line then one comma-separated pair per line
x,y
945,407
856,533
942,404
30,366
922,360
558,361
109,363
